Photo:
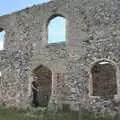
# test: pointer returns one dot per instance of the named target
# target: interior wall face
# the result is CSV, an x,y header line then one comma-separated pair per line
x,y
104,80
92,34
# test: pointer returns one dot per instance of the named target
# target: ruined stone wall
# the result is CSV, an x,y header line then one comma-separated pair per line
x,y
92,34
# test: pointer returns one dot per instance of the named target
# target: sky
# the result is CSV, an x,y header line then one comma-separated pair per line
x,y
56,28
8,6
2,40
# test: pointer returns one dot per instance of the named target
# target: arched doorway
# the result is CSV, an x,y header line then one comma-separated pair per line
x,y
104,81
43,80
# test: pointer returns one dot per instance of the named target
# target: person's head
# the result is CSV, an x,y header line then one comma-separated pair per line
x,y
34,83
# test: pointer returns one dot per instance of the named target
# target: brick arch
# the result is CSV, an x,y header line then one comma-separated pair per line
x,y
104,79
42,80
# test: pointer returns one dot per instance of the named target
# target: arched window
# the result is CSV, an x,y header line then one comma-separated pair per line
x,y
41,86
104,81
56,30
2,38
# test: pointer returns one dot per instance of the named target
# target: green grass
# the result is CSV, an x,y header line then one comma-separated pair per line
x,y
13,114
38,114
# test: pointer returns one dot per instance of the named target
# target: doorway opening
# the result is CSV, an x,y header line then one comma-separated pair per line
x,y
104,81
41,86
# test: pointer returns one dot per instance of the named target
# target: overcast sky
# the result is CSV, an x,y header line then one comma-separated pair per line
x,y
56,26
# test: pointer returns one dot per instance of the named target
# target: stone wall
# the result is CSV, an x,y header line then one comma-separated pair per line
x,y
92,34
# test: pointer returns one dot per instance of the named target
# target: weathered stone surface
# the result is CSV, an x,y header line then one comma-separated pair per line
x,y
93,34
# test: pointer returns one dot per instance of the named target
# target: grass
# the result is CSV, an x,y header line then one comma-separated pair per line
x,y
38,114
13,114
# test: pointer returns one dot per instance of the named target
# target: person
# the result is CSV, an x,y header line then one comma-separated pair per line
x,y
35,90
